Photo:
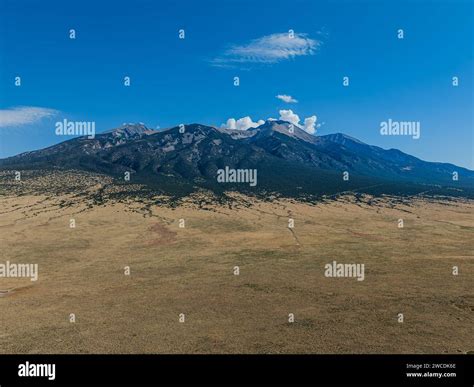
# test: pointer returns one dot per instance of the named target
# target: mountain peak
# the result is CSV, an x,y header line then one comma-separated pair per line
x,y
131,130
286,128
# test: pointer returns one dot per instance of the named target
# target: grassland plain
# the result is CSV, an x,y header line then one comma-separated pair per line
x,y
190,270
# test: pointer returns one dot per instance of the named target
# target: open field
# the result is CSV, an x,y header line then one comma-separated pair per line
x,y
190,270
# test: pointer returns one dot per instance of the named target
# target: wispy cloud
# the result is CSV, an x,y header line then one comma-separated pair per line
x,y
24,115
269,49
286,98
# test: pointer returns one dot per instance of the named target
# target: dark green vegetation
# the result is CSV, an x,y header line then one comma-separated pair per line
x,y
289,164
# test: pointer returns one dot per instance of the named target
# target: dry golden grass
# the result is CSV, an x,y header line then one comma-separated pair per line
x,y
190,270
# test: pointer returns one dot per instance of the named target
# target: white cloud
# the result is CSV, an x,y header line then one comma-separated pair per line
x,y
269,49
24,115
286,98
309,124
230,124
289,116
243,123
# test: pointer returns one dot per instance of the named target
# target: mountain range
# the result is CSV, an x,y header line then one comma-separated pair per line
x,y
289,161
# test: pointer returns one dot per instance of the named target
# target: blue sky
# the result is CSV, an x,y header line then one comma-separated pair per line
x,y
191,80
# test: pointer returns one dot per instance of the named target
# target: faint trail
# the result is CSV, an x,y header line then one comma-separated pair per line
x,y
450,223
7,292
351,190
4,293
294,236
421,193
365,235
